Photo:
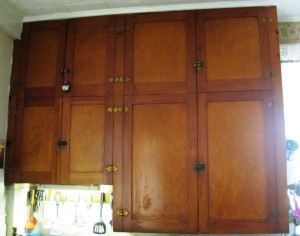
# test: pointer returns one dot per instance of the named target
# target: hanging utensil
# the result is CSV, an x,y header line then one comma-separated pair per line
x,y
57,226
46,221
100,227
31,221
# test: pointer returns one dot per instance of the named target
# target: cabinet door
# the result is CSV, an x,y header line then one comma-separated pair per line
x,y
43,51
159,53
37,131
159,183
87,127
233,45
239,190
90,55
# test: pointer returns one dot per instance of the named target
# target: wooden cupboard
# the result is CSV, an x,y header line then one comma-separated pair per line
x,y
184,108
63,130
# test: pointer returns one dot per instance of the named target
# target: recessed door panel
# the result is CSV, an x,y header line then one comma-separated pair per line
x,y
233,46
236,142
159,53
160,154
38,126
43,51
87,126
90,55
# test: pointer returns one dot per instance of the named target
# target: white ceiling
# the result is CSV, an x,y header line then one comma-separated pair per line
x,y
34,10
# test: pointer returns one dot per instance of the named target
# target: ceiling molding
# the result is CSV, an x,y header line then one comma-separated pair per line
x,y
160,8
10,21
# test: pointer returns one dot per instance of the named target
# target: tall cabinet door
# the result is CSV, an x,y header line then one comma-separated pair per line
x,y
233,49
38,129
87,128
159,153
43,55
238,189
90,55
159,53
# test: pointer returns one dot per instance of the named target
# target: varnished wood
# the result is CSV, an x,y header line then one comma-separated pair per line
x,y
10,159
90,55
43,50
159,53
279,133
38,126
155,144
236,142
233,45
85,127
160,153
118,129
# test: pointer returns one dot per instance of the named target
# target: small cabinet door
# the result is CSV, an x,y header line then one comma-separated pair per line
x,y
87,127
238,189
43,54
37,128
233,49
158,180
159,53
90,55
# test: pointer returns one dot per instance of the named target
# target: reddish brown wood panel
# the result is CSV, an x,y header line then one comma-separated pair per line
x,y
160,153
10,160
159,53
236,142
90,55
38,130
280,138
43,50
233,46
88,129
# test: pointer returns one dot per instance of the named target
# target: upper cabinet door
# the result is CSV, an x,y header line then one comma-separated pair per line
x,y
159,53
43,49
90,55
239,191
159,182
233,49
87,127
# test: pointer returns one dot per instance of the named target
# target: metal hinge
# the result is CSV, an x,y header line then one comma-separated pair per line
x,y
122,212
267,20
198,65
120,29
111,169
15,112
65,71
17,84
271,73
118,79
273,104
62,143
117,109
200,166
277,213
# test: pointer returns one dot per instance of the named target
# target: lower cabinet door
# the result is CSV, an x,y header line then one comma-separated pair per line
x,y
159,183
38,124
87,129
238,191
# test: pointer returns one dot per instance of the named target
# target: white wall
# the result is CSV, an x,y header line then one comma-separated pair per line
x,y
6,47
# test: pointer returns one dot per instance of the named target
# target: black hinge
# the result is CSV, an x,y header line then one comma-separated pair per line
x,y
271,73
62,143
277,213
198,65
200,166
65,71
